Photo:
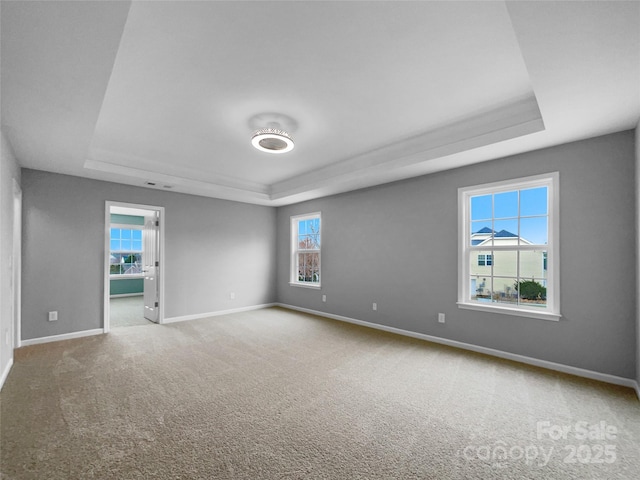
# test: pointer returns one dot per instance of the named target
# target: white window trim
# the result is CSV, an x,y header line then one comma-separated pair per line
x,y
550,180
293,227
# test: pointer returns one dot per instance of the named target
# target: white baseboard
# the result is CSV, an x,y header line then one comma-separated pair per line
x,y
185,318
120,295
580,372
64,336
5,372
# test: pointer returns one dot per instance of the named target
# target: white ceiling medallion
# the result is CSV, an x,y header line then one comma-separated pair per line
x,y
271,132
272,140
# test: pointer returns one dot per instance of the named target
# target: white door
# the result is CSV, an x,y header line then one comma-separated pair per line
x,y
151,267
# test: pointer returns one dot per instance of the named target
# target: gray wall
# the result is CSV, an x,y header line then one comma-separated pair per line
x,y
212,247
9,170
396,245
638,255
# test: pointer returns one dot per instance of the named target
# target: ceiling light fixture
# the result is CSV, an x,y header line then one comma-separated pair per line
x,y
272,140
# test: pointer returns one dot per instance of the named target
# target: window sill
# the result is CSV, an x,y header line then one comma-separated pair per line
x,y
554,317
125,276
304,285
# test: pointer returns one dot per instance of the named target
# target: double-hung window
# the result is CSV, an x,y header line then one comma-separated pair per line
x,y
125,250
305,250
508,247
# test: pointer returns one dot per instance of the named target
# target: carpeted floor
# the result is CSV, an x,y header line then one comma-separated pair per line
x,y
127,312
275,394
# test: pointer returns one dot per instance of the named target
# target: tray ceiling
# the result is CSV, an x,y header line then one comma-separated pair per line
x,y
168,92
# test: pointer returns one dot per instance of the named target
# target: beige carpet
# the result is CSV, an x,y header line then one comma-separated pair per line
x,y
274,394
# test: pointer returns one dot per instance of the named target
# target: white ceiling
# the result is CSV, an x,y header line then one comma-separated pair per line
x,y
168,92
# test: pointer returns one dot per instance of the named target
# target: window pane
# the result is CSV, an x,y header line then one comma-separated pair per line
x,y
505,205
115,244
315,269
532,265
533,201
304,242
481,207
480,288
532,292
302,227
506,232
313,225
115,233
504,290
137,245
308,267
505,263
478,262
480,232
301,267
126,244
125,234
137,234
473,288
534,230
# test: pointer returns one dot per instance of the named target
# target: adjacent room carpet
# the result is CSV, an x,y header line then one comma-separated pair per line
x,y
127,312
276,394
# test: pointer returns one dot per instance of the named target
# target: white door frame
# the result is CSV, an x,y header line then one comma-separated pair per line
x,y
16,265
107,248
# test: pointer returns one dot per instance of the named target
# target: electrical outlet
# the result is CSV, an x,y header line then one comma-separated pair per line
x,y
324,298
232,295
375,306
441,317
53,316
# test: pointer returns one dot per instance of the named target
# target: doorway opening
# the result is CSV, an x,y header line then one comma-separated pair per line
x,y
134,261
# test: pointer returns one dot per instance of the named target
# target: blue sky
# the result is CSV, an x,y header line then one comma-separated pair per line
x,y
522,212
124,239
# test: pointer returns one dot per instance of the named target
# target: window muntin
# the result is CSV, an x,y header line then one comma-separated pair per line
x,y
125,250
508,246
306,250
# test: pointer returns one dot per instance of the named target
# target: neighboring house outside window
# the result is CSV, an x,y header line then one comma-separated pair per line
x,y
125,250
508,249
305,250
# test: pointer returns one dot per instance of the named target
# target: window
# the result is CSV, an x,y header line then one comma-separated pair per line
x,y
485,260
305,250
125,251
508,248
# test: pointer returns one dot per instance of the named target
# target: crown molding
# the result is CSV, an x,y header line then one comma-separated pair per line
x,y
181,184
518,118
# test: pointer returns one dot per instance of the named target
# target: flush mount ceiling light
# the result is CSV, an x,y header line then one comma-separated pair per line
x,y
271,132
272,140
